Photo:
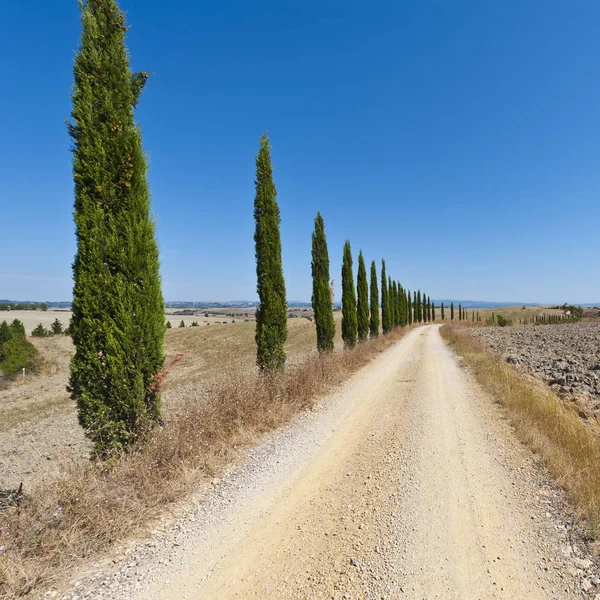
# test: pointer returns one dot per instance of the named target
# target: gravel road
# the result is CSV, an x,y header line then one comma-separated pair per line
x,y
406,483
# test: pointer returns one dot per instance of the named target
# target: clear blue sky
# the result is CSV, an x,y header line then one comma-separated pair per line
x,y
459,140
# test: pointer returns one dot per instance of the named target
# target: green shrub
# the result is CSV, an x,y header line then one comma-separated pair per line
x,y
40,331
18,354
182,324
195,324
503,321
57,327
168,325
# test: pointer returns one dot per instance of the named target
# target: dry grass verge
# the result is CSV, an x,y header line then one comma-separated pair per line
x,y
569,446
85,511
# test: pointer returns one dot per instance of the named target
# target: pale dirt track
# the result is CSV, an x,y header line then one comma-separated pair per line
x,y
408,483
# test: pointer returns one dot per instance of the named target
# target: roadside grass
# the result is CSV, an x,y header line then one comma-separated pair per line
x,y
90,508
569,446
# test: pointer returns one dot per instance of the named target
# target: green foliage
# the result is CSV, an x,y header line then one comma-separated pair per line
x,y
5,335
18,354
321,296
362,289
433,311
503,321
452,311
56,327
43,307
182,323
40,331
17,330
410,309
349,313
195,324
271,314
118,308
385,309
443,312
374,322
168,325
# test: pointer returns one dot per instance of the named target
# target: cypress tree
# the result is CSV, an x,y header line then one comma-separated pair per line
x,y
321,295
425,313
452,311
374,323
385,313
419,307
271,314
442,309
433,311
118,309
459,312
362,290
349,316
394,304
410,309
390,303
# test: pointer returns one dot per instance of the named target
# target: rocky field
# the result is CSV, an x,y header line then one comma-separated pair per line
x,y
566,357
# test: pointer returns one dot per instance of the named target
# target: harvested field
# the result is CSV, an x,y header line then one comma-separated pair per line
x,y
566,357
38,423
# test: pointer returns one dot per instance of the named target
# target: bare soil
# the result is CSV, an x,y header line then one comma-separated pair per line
x,y
566,357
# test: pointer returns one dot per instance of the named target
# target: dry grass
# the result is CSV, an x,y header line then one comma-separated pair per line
x,y
569,446
89,508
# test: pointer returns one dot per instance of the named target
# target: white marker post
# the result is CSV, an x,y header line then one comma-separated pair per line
x,y
23,373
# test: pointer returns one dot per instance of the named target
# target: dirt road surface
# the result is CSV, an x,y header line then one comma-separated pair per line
x,y
407,483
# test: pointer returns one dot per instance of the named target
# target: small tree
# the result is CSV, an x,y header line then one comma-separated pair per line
x,y
271,314
362,290
452,311
410,309
433,311
44,307
349,313
321,296
17,330
40,331
442,310
374,322
168,325
57,327
182,323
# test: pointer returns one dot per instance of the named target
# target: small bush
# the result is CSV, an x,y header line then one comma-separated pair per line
x,y
194,324
40,331
503,321
57,327
182,324
18,354
168,326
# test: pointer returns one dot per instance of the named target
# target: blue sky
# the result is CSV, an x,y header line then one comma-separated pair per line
x,y
459,140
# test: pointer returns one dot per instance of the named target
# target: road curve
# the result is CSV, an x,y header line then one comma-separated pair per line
x,y
407,483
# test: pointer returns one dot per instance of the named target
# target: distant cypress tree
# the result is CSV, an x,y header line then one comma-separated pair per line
x,y
433,311
385,312
410,309
349,316
374,322
118,310
452,311
321,295
418,307
271,314
443,315
459,312
425,313
362,290
394,304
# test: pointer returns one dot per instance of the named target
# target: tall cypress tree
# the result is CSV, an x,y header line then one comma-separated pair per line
x,y
410,309
419,307
391,300
394,303
460,315
362,290
321,295
118,309
428,309
424,308
349,316
385,313
433,311
271,314
443,315
452,311
374,322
